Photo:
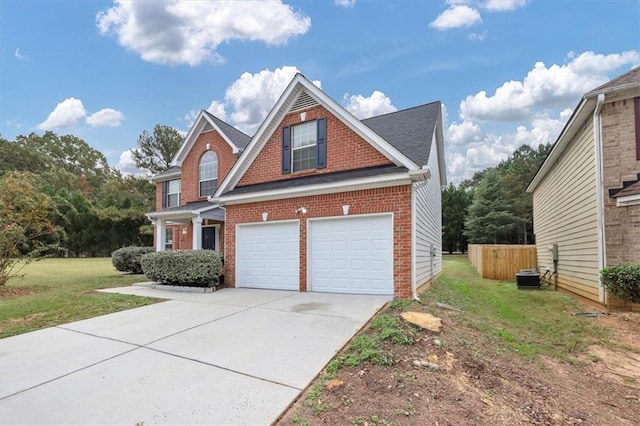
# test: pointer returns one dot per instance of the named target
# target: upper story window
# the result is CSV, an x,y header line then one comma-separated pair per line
x,y
208,173
305,151
304,146
171,194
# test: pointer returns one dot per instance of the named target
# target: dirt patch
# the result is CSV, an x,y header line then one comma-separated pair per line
x,y
12,291
478,383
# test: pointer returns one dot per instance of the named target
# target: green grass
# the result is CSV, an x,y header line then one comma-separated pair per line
x,y
61,291
528,322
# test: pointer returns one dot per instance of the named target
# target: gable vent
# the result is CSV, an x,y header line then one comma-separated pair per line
x,y
303,101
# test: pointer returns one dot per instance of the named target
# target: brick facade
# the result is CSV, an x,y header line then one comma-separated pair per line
x,y
345,150
395,199
190,184
620,163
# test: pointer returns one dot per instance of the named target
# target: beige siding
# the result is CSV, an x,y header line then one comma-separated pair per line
x,y
428,227
565,213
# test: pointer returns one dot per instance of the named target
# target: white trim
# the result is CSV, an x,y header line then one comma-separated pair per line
x,y
352,217
167,176
181,214
279,111
597,141
580,114
414,273
195,131
629,200
317,189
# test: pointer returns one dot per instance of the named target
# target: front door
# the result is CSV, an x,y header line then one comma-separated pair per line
x,y
209,238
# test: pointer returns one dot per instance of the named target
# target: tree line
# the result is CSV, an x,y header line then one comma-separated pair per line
x,y
493,206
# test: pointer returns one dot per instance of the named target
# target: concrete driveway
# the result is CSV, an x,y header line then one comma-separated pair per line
x,y
236,356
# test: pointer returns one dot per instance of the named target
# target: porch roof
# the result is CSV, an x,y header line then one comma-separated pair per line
x,y
202,209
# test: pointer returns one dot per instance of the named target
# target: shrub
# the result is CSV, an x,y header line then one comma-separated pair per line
x,y
623,281
197,268
127,259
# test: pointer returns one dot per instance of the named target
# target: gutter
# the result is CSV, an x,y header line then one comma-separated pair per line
x,y
419,178
597,133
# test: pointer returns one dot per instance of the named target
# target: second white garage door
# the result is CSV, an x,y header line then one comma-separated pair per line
x,y
351,255
268,255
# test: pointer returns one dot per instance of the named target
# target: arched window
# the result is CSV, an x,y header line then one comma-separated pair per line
x,y
208,173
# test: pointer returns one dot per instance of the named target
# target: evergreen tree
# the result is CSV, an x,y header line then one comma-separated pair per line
x,y
490,219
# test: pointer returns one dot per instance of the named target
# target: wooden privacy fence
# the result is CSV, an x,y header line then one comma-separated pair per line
x,y
502,261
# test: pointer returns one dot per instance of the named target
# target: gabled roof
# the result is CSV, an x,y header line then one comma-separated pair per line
x,y
167,174
410,130
301,87
205,121
631,77
239,139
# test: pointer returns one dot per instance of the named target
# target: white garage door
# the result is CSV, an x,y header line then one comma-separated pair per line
x,y
267,256
351,255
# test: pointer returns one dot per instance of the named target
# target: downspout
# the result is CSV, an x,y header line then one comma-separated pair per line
x,y
419,179
597,132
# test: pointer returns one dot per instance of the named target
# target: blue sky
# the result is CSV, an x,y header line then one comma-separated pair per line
x,y
508,71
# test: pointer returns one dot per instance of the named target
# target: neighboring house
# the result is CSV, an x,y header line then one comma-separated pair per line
x,y
586,195
317,199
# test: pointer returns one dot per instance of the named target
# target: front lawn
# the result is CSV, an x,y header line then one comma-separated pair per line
x,y
58,291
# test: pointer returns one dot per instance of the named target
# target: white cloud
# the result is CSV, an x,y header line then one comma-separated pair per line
x,y
545,87
189,32
21,56
504,5
105,117
253,95
127,166
364,107
471,148
218,109
456,17
66,113
477,36
345,3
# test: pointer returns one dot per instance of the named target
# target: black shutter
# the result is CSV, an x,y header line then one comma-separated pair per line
x,y
165,187
322,143
636,105
286,150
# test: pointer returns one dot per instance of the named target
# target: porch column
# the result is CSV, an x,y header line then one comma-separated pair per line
x,y
197,233
161,234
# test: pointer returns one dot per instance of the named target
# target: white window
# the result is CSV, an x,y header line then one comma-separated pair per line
x,y
208,173
173,193
305,151
168,239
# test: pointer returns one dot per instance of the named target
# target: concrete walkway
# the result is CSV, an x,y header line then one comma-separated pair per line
x,y
236,356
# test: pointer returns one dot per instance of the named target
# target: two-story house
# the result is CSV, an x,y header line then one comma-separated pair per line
x,y
586,195
317,200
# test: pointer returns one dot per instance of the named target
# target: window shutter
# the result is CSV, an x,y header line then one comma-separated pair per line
x,y
165,187
322,143
286,150
637,108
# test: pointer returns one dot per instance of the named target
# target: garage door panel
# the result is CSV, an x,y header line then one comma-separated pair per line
x,y
267,256
359,250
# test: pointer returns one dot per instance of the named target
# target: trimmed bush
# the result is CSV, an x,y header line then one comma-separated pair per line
x,y
623,281
127,259
196,268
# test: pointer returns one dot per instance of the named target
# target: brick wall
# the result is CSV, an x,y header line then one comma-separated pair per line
x,y
345,150
395,199
620,163
191,164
